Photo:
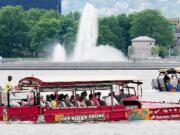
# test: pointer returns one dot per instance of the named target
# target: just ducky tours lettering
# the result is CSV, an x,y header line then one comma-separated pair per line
x,y
83,117
167,116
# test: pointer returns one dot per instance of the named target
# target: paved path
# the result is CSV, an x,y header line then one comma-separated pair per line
x,y
86,66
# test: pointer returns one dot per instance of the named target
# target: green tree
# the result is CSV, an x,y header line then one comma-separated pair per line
x,y
68,30
33,16
124,23
111,32
44,33
155,51
13,31
163,51
176,51
151,23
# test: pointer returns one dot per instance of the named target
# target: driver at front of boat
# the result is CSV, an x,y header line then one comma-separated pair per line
x,y
121,96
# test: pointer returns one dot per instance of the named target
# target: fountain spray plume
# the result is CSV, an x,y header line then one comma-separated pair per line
x,y
85,48
59,53
87,34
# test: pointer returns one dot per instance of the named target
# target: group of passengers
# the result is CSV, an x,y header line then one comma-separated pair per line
x,y
64,100
82,100
171,81
77,100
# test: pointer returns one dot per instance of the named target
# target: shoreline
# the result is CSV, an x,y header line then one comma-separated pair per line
x,y
31,65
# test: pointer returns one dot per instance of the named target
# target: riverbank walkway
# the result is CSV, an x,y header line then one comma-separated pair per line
x,y
127,65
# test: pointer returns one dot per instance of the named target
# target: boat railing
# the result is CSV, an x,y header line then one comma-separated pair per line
x,y
15,98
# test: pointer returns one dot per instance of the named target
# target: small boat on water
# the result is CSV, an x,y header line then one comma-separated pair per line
x,y
167,80
20,106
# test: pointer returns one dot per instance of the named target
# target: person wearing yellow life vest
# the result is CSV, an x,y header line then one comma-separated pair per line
x,y
7,86
53,101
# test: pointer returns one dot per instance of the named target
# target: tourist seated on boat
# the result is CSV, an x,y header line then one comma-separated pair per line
x,y
174,83
98,96
77,97
82,102
84,94
31,98
121,96
169,86
84,97
109,101
166,78
77,100
61,102
67,101
74,101
48,101
91,99
42,102
53,101
24,102
94,101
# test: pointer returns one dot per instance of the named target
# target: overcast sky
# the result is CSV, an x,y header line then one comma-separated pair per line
x,y
169,8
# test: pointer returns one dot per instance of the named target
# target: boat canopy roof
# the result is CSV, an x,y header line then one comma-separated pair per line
x,y
62,81
170,70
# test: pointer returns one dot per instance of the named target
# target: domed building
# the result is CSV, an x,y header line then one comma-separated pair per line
x,y
141,48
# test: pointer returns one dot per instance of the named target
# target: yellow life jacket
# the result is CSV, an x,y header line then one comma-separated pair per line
x,y
7,87
53,104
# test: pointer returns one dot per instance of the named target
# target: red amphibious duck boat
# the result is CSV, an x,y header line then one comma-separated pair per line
x,y
20,106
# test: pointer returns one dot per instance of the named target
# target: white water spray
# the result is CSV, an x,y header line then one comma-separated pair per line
x,y
85,48
87,34
59,53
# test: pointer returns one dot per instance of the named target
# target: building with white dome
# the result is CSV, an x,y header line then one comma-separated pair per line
x,y
142,47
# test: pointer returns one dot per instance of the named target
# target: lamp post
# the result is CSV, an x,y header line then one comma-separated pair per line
x,y
169,51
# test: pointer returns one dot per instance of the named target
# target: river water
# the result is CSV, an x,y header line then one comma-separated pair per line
x,y
101,128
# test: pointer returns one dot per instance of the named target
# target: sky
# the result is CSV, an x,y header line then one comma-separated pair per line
x,y
169,8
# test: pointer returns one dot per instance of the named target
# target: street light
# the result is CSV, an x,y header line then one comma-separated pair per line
x,y
169,51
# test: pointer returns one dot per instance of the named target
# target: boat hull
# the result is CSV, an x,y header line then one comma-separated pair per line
x,y
106,113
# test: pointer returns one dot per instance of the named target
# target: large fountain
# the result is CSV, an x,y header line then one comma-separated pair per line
x,y
86,48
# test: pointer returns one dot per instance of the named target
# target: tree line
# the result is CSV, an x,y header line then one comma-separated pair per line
x,y
26,33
